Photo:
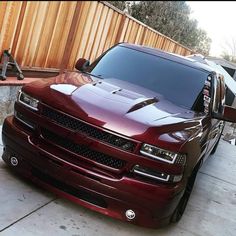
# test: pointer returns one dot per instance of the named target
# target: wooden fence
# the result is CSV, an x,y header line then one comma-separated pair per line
x,y
55,34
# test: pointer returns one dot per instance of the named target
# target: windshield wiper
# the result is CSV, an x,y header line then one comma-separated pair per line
x,y
88,73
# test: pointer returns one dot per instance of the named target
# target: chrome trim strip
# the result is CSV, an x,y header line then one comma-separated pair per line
x,y
151,176
158,158
23,121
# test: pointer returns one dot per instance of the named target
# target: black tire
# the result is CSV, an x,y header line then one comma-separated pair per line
x,y
179,211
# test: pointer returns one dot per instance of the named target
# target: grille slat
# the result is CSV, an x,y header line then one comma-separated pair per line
x,y
80,126
83,150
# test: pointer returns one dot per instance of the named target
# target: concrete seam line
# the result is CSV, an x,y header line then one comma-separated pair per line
x,y
1,230
217,178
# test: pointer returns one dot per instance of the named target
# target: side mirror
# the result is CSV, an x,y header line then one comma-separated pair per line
x,y
229,114
82,64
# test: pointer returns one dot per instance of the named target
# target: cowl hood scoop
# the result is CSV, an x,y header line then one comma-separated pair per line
x,y
142,104
136,100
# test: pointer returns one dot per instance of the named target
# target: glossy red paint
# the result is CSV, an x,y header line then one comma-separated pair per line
x,y
129,114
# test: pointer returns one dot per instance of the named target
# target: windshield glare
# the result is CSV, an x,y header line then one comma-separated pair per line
x,y
178,83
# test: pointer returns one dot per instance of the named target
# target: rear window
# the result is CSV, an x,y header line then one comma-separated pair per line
x,y
178,83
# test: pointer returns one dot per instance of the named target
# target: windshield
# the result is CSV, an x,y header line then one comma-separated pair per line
x,y
178,83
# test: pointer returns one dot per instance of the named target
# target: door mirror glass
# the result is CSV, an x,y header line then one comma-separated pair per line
x,y
82,64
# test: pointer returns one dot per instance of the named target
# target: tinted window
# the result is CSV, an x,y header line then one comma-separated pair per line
x,y
178,83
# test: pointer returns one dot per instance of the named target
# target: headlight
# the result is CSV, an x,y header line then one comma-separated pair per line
x,y
28,101
163,155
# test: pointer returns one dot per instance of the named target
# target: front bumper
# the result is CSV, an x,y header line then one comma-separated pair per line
x,y
153,204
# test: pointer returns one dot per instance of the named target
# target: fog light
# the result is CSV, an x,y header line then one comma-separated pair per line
x,y
14,161
130,214
177,178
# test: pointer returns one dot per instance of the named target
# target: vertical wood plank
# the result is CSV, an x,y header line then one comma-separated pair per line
x,y
40,19
70,38
76,53
139,34
104,33
3,7
124,29
116,28
25,33
128,31
120,30
18,28
46,34
143,36
111,30
9,24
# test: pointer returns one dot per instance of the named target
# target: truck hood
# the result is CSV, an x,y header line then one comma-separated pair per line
x,y
118,106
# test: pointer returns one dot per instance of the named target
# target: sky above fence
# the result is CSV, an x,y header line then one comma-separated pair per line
x,y
218,19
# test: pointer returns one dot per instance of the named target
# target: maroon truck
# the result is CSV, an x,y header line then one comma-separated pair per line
x,y
125,136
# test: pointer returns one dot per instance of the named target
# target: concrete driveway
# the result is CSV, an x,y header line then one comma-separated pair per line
x,y
28,210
